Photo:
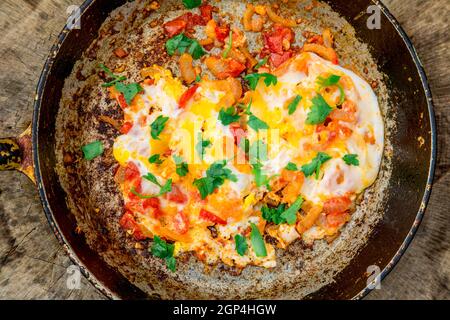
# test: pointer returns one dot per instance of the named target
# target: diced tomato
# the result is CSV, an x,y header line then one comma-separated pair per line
x,y
337,205
222,32
176,195
126,127
274,40
151,203
208,216
277,59
181,222
174,27
129,223
237,132
122,102
187,95
336,220
206,11
192,20
131,171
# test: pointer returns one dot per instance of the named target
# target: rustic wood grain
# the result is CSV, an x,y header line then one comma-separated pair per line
x,y
33,264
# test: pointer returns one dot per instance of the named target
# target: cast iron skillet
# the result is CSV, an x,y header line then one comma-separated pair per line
x,y
413,160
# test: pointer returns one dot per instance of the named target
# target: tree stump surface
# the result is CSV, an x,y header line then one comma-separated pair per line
x,y
33,264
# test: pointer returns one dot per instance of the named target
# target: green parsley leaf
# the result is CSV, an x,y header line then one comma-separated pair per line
x,y
215,177
115,77
171,263
229,45
181,44
291,167
157,126
293,104
228,116
155,159
273,214
258,243
240,244
319,110
151,177
92,150
198,78
261,179
182,167
255,123
290,214
201,146
190,4
315,164
164,250
244,144
260,63
167,187
129,90
351,159
258,151
253,79
332,80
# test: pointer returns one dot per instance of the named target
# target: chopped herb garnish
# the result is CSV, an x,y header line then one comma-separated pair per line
x,y
315,164
92,150
229,45
319,110
241,244
201,146
274,214
253,79
259,247
261,179
129,90
151,177
157,126
294,103
332,80
190,4
258,151
155,159
255,123
351,159
215,177
228,116
291,167
182,167
290,214
260,63
198,78
167,187
244,144
164,250
115,77
182,44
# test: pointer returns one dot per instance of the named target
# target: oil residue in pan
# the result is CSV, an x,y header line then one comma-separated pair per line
x,y
300,270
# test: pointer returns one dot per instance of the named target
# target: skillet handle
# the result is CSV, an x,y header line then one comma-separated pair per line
x,y
16,154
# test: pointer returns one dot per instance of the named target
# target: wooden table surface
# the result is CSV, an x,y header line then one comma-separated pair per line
x,y
33,264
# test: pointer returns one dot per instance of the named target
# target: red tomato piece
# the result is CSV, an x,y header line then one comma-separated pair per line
x,y
277,59
174,27
131,171
181,222
126,127
233,69
151,203
336,220
129,223
337,205
176,195
274,40
122,102
208,216
187,95
206,11
222,32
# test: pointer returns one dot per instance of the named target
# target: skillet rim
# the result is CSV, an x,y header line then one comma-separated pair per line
x,y
53,54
